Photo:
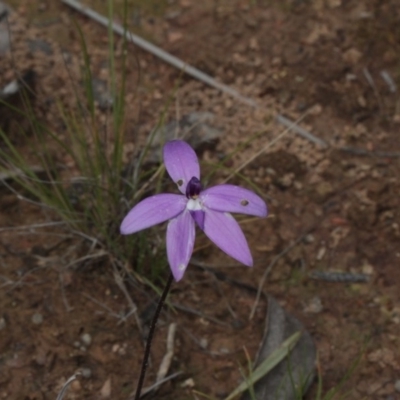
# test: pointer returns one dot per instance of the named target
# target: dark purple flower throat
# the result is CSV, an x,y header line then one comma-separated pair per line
x,y
193,188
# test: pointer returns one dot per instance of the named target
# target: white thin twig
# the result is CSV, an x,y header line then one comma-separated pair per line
x,y
66,385
120,282
389,81
269,268
166,361
263,149
163,55
33,226
301,131
159,383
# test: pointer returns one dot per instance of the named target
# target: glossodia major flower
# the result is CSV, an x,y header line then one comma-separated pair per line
x,y
209,208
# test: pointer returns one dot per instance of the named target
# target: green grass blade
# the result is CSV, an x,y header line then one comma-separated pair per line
x,y
267,365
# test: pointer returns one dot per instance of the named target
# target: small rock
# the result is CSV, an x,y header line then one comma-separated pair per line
x,y
188,383
76,386
309,238
40,45
101,94
86,373
105,391
203,343
86,339
321,253
115,348
314,306
323,190
397,385
352,56
198,130
174,37
3,323
4,33
37,318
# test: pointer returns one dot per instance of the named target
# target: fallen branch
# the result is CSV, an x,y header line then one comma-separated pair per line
x,y
156,51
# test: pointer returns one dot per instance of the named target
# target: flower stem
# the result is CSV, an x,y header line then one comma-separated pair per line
x,y
150,337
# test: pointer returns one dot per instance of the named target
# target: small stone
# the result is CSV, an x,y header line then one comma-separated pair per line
x,y
115,348
77,344
86,339
203,343
188,383
76,386
321,253
105,391
309,238
397,385
37,318
174,37
314,306
86,373
3,323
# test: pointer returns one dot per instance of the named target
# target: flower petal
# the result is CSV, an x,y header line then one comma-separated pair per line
x,y
198,216
230,198
181,163
180,242
226,233
153,210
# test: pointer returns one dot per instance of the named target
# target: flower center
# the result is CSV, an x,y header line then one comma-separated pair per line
x,y
193,188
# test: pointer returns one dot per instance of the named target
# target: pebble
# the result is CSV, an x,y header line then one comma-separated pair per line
x,y
37,318
314,306
86,373
86,339
76,386
3,323
309,238
397,385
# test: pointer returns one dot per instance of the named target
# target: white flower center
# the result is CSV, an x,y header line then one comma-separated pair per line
x,y
194,205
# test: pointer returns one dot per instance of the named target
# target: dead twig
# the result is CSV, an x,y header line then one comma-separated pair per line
x,y
66,385
159,383
166,361
339,277
122,318
163,55
389,81
363,152
18,173
120,282
271,265
263,149
199,313
301,131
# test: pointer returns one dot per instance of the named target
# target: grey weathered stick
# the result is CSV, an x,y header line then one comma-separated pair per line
x,y
163,55
298,129
66,385
389,81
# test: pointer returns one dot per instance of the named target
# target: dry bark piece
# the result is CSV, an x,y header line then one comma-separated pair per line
x,y
291,378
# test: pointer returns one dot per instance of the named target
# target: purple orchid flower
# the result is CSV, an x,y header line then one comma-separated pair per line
x,y
209,208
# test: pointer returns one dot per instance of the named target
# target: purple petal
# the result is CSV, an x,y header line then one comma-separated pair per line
x,y
180,242
230,198
181,163
153,210
198,216
226,233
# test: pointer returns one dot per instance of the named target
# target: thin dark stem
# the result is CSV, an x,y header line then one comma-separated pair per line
x,y
150,337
